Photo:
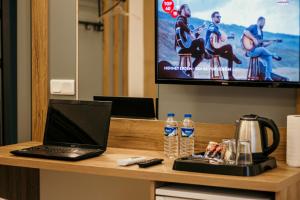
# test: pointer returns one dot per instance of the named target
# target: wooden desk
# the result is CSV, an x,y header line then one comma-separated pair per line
x,y
283,181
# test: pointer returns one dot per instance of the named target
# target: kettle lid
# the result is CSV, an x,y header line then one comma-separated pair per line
x,y
251,117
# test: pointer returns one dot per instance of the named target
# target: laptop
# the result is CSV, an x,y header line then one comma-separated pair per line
x,y
75,130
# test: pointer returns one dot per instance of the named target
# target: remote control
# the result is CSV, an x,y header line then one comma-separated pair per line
x,y
151,162
130,161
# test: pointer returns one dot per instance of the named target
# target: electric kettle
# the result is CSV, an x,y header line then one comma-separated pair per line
x,y
254,129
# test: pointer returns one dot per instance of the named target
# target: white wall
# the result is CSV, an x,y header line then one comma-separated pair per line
x,y
62,41
213,104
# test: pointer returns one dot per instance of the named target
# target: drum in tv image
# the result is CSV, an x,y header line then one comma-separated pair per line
x,y
234,40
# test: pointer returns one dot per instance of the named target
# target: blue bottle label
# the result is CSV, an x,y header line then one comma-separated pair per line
x,y
187,132
170,131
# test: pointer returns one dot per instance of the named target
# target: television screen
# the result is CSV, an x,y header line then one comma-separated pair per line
x,y
232,42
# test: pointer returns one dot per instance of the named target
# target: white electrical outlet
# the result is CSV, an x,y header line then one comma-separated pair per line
x,y
62,87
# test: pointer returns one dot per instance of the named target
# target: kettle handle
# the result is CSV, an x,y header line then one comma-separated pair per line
x,y
268,123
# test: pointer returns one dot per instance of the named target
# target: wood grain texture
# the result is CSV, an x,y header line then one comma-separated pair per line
x,y
136,134
116,63
153,186
275,180
148,135
150,88
115,42
282,195
298,189
125,50
107,49
152,190
298,101
40,81
292,192
19,183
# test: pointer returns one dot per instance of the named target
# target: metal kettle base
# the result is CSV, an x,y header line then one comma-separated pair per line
x,y
192,164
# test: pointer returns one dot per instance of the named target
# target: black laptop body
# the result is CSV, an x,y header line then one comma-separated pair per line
x,y
75,130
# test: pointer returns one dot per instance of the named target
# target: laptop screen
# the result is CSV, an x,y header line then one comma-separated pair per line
x,y
80,123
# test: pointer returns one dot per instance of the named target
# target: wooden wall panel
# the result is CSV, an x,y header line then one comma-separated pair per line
x,y
116,63
19,183
115,42
148,135
150,89
136,134
39,67
125,51
106,49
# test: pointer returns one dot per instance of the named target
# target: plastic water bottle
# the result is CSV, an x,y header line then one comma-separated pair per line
x,y
171,137
187,136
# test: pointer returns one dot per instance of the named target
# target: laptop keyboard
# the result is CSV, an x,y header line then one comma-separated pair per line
x,y
59,152
58,149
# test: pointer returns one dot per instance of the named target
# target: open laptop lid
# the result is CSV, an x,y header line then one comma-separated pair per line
x,y
78,123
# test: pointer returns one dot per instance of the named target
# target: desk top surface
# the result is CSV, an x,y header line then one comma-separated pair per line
x,y
106,165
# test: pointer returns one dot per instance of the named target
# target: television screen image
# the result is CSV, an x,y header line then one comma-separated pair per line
x,y
244,42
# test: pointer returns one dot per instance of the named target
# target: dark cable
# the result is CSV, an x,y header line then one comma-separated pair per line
x,y
98,26
111,8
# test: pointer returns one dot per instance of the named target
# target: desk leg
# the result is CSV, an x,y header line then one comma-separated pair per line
x,y
152,190
153,186
298,189
282,195
290,193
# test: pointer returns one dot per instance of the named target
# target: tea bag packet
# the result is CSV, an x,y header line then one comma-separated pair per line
x,y
210,149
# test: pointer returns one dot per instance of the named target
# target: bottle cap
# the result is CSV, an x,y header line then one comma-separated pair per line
x,y
171,115
188,116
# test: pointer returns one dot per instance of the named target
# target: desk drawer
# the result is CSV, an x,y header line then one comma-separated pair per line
x,y
188,192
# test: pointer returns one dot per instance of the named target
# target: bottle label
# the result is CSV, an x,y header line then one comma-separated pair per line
x,y
187,132
170,131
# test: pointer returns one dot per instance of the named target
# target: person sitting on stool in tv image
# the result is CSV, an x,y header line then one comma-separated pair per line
x,y
187,39
223,50
256,35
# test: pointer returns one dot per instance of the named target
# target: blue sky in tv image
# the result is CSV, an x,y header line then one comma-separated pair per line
x,y
282,22
285,16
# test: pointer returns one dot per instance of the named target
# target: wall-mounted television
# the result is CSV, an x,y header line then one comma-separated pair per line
x,y
232,42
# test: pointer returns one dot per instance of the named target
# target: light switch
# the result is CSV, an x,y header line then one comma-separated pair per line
x,y
62,87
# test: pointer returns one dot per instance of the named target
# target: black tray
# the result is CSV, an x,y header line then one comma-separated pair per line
x,y
191,164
